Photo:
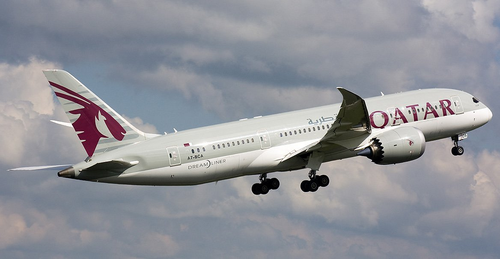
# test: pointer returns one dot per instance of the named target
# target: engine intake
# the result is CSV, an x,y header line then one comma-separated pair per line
x,y
399,145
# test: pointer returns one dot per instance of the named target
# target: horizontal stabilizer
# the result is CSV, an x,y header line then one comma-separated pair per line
x,y
112,165
38,168
66,124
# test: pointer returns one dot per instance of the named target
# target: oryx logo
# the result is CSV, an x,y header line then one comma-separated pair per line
x,y
410,142
93,122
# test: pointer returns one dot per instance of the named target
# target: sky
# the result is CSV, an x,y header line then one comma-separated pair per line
x,y
191,63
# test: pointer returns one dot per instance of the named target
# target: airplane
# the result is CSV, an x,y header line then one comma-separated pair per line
x,y
387,129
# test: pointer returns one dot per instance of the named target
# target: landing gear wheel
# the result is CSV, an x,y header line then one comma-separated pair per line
x,y
304,186
264,189
259,188
256,188
273,183
313,186
323,180
457,151
265,185
309,186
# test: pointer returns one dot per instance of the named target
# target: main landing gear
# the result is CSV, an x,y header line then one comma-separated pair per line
x,y
458,150
265,185
314,182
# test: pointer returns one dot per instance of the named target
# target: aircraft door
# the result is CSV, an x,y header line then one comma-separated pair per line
x,y
459,109
173,156
265,141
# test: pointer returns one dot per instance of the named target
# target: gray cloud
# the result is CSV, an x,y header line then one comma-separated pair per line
x,y
239,59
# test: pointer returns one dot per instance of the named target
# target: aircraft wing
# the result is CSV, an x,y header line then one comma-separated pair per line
x,y
352,122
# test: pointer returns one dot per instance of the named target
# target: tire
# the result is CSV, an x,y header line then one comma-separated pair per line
x,y
313,186
304,186
264,189
273,183
454,151
256,189
323,180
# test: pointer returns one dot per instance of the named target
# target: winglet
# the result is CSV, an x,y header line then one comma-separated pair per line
x,y
351,122
353,110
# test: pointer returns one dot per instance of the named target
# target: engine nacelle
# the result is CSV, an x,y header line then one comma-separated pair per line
x,y
396,146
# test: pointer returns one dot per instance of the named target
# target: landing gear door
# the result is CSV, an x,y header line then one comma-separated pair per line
x,y
174,157
265,141
459,109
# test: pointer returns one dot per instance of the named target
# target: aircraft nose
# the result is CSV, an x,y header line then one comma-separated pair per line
x,y
484,115
488,114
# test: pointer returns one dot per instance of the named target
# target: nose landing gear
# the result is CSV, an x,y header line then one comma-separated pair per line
x,y
458,150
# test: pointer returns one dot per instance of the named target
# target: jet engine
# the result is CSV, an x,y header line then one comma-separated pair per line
x,y
395,146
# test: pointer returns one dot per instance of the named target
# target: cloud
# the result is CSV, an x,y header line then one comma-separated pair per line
x,y
241,59
26,106
473,19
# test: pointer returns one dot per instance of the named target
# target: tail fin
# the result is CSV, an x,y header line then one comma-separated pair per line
x,y
99,127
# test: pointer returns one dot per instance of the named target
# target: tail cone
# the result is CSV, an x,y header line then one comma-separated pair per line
x,y
67,173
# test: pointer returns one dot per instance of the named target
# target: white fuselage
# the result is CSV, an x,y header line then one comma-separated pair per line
x,y
264,144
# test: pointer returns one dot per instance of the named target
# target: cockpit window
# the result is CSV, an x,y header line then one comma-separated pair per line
x,y
475,100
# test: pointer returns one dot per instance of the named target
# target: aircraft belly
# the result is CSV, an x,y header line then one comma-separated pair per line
x,y
447,126
192,173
